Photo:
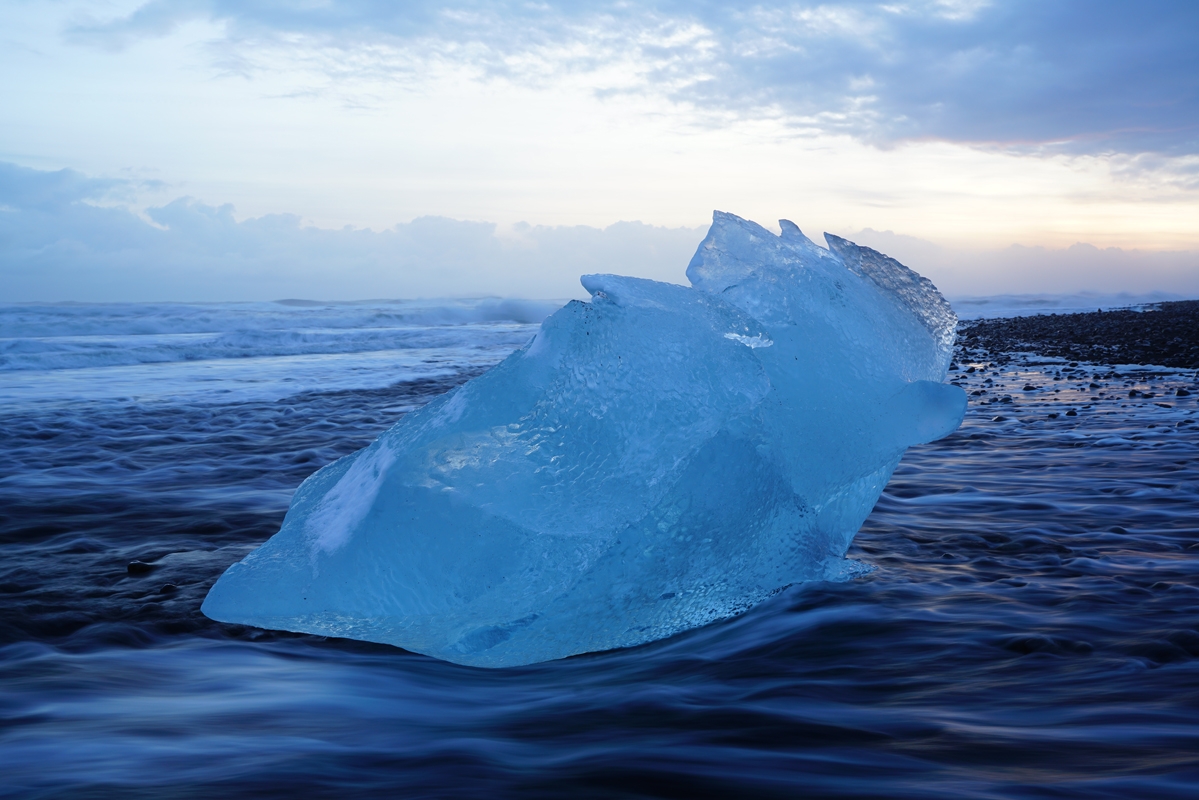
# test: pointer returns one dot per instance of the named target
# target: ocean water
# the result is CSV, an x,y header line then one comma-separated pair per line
x,y
1023,305
1030,627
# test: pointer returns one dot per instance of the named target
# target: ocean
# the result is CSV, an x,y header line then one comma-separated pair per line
x,y
1028,626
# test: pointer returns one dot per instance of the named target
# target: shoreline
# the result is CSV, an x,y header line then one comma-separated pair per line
x,y
1166,335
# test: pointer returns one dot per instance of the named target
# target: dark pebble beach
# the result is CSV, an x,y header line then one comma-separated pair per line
x,y
1166,334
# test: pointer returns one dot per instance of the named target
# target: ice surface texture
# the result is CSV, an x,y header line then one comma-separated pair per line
x,y
655,459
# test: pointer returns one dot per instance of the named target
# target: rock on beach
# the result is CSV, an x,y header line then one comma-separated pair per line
x,y
1165,334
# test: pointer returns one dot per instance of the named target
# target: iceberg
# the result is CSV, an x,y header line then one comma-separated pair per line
x,y
653,460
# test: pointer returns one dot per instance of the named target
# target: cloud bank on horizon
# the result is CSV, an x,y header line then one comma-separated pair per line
x,y
970,123
55,244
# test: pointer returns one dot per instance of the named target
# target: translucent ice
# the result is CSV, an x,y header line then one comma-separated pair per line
x,y
653,460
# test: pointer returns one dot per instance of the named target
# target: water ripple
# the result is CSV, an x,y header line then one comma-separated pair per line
x,y
1031,628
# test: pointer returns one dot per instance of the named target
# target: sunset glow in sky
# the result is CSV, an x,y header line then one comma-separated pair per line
x,y
970,125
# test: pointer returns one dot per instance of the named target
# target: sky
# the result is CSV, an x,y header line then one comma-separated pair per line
x,y
254,149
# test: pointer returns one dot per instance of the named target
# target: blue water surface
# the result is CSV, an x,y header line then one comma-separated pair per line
x,y
1030,628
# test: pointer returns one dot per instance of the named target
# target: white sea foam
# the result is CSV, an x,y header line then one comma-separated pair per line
x,y
1024,305
34,320
249,350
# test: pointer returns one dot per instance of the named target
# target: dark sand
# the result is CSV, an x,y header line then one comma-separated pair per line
x,y
1166,335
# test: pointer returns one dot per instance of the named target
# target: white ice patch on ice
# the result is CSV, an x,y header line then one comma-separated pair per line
x,y
349,501
751,342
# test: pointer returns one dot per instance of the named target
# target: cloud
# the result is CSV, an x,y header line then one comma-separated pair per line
x,y
156,18
56,244
1017,269
24,188
1026,75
